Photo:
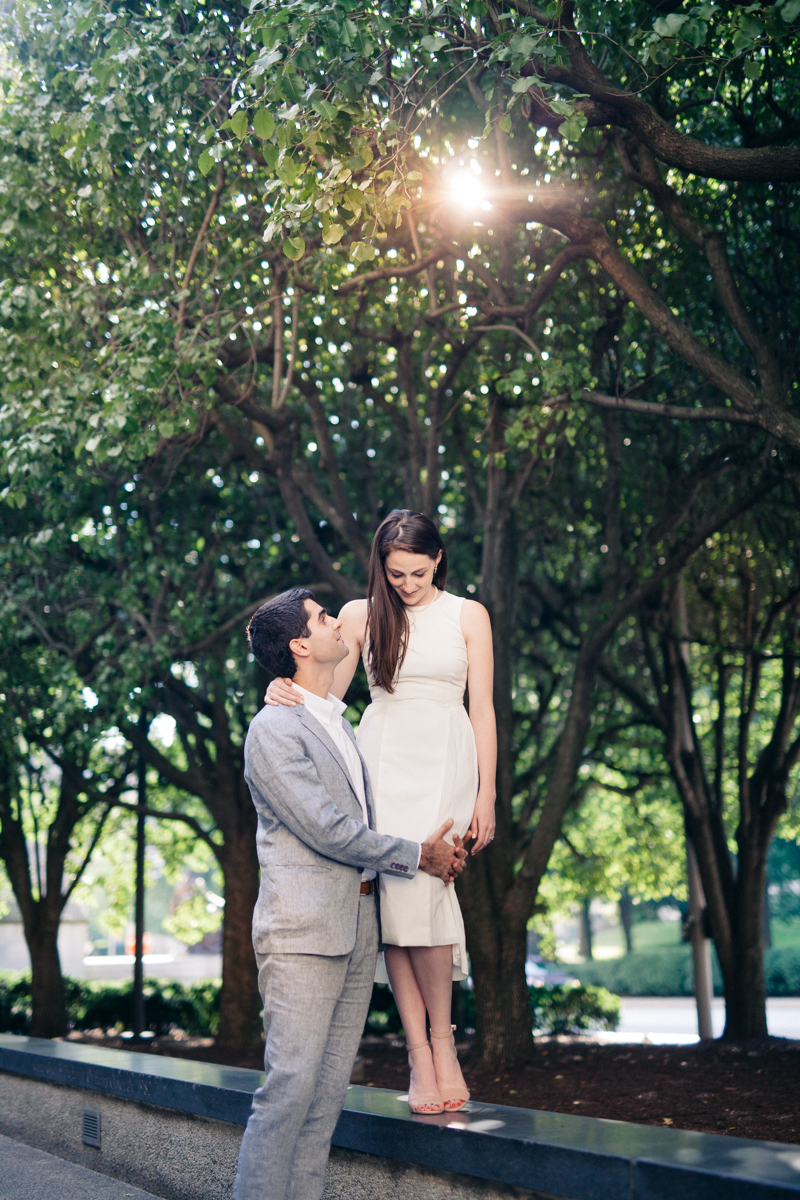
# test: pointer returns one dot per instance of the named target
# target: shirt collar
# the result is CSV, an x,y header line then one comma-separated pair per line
x,y
327,710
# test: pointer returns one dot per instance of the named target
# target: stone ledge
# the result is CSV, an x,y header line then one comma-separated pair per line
x,y
582,1158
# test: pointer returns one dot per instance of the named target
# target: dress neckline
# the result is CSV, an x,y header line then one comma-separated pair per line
x,y
415,608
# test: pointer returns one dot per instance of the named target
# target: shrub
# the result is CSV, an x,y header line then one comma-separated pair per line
x,y
15,1002
99,1004
782,969
569,1008
669,973
554,1010
383,1015
665,973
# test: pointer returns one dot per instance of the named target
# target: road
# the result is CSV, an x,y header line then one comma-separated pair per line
x,y
673,1019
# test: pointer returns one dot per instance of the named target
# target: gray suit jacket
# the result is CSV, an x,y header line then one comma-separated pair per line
x,y
312,840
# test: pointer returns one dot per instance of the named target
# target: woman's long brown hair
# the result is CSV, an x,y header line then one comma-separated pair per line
x,y
387,619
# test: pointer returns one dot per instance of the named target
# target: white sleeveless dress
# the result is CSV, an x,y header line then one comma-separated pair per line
x,y
420,751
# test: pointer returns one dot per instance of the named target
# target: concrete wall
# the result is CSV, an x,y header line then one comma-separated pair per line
x,y
183,1157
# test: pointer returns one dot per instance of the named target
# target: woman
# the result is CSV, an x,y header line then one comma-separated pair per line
x,y
427,761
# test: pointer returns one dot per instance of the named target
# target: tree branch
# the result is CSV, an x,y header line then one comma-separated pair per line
x,y
198,243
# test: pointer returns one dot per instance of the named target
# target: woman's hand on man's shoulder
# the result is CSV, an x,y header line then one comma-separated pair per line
x,y
283,691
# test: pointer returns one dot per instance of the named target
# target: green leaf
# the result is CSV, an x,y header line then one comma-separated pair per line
x,y
332,234
505,123
294,248
790,11
362,252
205,162
433,42
288,172
523,43
522,85
325,109
670,26
291,86
753,70
263,124
238,124
573,127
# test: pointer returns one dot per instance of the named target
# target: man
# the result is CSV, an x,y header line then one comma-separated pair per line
x,y
315,927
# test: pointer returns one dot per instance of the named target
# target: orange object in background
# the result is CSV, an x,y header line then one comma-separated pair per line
x,y
130,944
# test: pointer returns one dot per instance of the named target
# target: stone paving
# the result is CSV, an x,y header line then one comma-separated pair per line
x,y
28,1174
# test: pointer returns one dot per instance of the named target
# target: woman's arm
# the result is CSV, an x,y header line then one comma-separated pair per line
x,y
477,630
354,630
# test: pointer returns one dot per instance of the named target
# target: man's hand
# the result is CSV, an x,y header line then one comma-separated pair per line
x,y
441,859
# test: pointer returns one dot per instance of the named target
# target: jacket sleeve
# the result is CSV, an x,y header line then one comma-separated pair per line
x,y
283,779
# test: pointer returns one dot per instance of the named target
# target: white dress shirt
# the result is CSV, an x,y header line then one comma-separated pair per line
x,y
329,714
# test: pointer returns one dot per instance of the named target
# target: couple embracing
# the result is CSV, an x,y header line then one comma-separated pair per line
x,y
360,842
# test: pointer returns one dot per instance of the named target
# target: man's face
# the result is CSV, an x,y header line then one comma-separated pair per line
x,y
324,643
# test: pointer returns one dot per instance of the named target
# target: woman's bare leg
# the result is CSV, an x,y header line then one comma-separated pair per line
x,y
433,968
421,979
411,1006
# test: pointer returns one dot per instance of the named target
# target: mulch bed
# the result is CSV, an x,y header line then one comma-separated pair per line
x,y
749,1090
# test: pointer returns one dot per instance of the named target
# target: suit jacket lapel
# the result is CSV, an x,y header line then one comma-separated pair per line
x,y
314,726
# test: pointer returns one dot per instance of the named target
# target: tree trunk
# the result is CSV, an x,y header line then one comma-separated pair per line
x,y
767,918
626,918
497,939
497,951
49,1011
585,925
240,1003
745,982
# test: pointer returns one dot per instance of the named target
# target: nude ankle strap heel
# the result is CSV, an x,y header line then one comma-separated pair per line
x,y
453,1098
425,1104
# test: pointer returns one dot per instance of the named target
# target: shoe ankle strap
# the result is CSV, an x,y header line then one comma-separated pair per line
x,y
449,1034
418,1046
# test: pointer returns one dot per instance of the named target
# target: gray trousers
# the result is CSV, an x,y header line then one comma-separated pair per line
x,y
314,1013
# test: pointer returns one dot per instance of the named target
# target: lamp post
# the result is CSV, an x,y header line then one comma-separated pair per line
x,y
138,1016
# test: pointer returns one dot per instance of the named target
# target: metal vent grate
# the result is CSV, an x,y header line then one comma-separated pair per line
x,y
91,1127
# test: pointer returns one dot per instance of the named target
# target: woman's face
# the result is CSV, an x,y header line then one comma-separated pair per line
x,y
411,575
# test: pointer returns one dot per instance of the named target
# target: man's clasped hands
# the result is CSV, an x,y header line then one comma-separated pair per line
x,y
439,858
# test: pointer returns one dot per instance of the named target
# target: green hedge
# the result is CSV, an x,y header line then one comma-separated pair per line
x,y
567,1009
103,1005
669,973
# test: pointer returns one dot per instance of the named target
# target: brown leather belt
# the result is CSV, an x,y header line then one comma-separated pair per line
x,y
367,887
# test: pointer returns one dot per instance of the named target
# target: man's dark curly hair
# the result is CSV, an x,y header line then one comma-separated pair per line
x,y
274,625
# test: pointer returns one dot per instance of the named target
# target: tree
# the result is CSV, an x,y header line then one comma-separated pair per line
x,y
59,780
143,604
718,676
595,77
622,841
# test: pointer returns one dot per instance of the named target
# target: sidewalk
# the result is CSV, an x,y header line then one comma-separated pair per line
x,y
672,1020
28,1174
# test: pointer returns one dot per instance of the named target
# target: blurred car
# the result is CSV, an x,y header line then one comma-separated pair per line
x,y
541,973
